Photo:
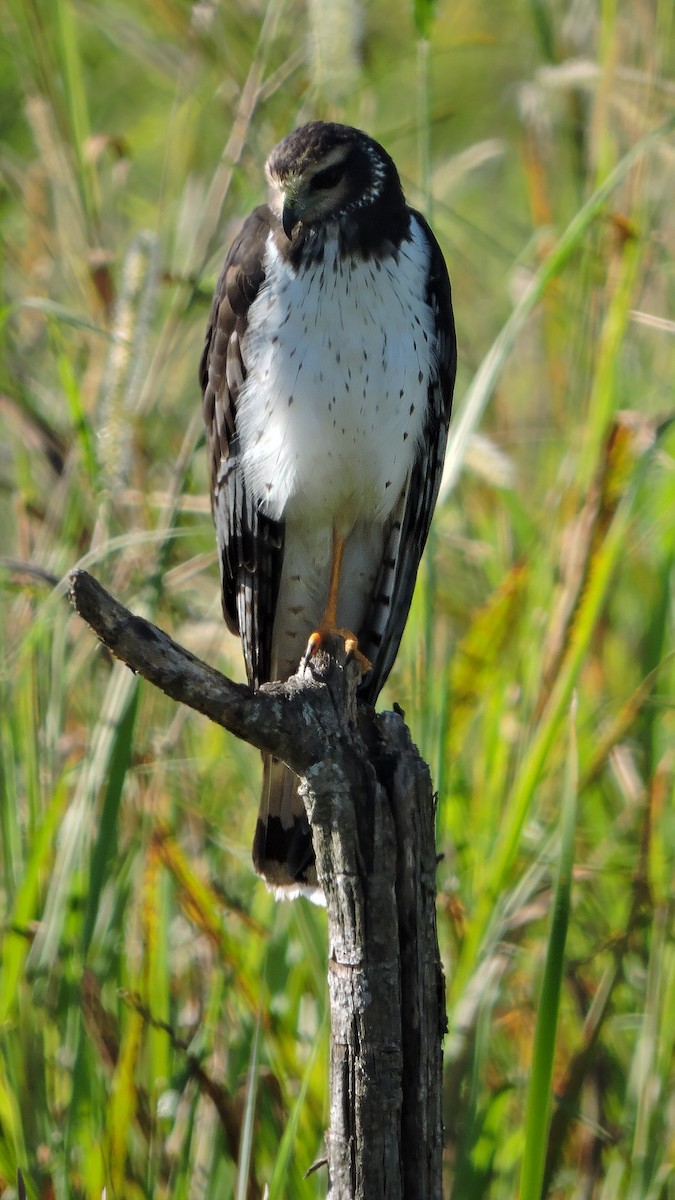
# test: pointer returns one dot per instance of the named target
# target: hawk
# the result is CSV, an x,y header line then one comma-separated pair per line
x,y
327,379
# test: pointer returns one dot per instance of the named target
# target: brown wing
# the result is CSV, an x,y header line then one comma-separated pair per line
x,y
409,527
250,545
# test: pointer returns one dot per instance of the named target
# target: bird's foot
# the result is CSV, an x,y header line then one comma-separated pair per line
x,y
320,640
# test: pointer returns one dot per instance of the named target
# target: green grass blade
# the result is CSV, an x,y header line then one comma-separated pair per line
x,y
650,1081
538,1113
106,839
604,565
66,876
76,100
279,1180
15,943
476,399
246,1142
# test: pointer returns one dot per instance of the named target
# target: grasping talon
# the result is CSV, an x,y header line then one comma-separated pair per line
x,y
324,634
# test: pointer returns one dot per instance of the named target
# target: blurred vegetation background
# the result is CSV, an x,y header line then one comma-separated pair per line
x,y
163,1026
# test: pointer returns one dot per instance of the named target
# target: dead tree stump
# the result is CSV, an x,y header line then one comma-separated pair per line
x,y
370,804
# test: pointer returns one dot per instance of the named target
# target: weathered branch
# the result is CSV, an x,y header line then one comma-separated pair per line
x,y
268,719
369,801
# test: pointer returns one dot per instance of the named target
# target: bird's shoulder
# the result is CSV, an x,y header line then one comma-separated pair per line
x,y
222,370
241,277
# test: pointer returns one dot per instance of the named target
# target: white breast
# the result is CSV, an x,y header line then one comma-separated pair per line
x,y
338,357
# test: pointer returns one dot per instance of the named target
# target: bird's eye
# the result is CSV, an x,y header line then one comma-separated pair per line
x,y
328,178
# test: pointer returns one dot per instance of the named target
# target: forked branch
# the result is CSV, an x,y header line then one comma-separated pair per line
x,y
370,804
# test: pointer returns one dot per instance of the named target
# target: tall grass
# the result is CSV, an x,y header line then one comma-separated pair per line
x,y
162,1020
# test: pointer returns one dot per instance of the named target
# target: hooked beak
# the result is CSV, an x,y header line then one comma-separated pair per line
x,y
290,215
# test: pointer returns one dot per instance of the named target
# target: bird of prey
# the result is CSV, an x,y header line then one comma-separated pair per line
x,y
327,378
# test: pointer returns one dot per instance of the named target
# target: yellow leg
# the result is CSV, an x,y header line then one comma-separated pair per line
x,y
329,619
329,626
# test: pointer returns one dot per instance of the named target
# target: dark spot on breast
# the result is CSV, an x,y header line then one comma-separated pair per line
x,y
420,376
290,400
412,409
401,394
388,483
405,436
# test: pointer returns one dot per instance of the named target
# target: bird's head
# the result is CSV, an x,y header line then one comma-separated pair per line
x,y
322,173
